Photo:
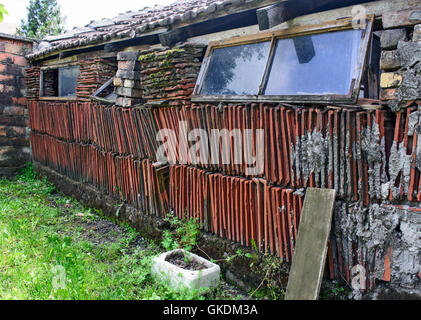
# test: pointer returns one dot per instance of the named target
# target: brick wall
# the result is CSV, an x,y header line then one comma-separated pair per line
x,y
14,140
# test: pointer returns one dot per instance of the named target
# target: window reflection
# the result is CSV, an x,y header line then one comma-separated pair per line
x,y
68,81
236,70
315,65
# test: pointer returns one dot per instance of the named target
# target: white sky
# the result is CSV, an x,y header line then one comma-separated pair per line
x,y
81,12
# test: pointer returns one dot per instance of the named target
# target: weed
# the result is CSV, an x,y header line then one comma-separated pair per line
x,y
183,233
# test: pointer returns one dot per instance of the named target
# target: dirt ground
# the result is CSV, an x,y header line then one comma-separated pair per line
x,y
101,231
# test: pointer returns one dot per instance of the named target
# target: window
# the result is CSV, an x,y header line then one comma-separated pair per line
x,y
105,93
230,69
322,63
59,82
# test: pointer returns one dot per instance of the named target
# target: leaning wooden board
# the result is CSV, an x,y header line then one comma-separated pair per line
x,y
309,258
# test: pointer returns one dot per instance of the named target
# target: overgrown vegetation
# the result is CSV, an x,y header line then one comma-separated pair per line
x,y
183,234
49,249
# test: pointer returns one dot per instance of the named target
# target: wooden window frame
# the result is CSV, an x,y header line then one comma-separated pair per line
x,y
336,25
58,67
96,96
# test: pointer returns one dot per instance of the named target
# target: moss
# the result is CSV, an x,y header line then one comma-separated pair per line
x,y
147,57
173,53
166,63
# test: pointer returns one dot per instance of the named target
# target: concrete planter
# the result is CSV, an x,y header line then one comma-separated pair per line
x,y
178,277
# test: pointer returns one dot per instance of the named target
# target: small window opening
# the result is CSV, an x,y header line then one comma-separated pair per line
x,y
106,92
59,82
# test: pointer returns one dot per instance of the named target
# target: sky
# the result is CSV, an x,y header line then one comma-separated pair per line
x,y
80,12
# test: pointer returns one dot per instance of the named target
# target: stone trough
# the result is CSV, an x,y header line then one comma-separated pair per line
x,y
205,278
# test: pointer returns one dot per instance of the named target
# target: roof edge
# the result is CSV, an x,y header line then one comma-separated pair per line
x,y
18,38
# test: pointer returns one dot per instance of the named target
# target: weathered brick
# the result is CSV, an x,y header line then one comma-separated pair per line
x,y
118,82
6,58
18,142
20,61
119,101
390,38
132,84
13,111
9,89
124,74
129,92
6,77
13,121
388,94
22,101
14,156
390,60
409,53
390,80
128,65
401,18
125,56
14,48
15,70
128,102
15,132
129,83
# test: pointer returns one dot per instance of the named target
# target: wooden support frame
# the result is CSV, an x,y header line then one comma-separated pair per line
x,y
96,96
337,25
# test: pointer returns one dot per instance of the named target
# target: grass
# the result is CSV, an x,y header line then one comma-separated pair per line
x,y
46,251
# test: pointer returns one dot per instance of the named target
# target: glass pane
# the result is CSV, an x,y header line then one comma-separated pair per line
x,y
315,64
68,81
236,70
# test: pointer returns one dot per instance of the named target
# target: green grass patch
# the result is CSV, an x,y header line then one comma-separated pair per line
x,y
46,251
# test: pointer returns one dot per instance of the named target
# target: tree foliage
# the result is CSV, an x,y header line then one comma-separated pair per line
x,y
2,12
44,18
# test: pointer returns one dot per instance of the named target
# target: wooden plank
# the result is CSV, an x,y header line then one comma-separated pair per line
x,y
309,259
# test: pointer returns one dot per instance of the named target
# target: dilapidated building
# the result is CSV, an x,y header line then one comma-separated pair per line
x,y
330,92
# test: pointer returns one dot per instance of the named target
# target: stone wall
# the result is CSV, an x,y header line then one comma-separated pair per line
x,y
14,140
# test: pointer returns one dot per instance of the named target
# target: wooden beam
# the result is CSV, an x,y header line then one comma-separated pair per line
x,y
105,85
116,46
270,16
170,38
233,21
276,14
310,252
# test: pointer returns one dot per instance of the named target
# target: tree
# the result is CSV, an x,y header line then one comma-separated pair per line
x,y
2,12
44,19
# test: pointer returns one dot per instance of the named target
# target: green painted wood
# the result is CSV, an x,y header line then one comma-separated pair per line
x,y
309,258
